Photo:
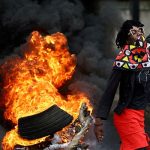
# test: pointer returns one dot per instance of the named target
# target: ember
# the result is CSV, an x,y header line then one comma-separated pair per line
x,y
30,84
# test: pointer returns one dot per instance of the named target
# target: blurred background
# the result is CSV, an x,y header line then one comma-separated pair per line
x,y
90,27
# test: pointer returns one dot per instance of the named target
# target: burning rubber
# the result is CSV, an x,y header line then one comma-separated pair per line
x,y
84,120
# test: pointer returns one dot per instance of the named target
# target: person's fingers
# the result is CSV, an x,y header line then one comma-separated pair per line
x,y
100,138
102,132
99,133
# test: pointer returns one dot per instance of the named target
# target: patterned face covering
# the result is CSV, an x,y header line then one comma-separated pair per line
x,y
139,30
133,57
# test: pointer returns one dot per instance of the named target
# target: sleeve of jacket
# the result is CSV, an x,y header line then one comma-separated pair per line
x,y
107,98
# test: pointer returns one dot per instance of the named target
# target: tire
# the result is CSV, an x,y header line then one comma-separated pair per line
x,y
43,124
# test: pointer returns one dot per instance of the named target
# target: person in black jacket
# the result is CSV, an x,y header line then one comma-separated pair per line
x,y
127,73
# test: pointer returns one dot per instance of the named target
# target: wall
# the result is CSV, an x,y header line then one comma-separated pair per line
x,y
144,12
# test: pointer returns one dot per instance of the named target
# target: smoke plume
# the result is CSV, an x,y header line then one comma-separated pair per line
x,y
90,35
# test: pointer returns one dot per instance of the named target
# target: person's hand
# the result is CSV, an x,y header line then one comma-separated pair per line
x,y
98,129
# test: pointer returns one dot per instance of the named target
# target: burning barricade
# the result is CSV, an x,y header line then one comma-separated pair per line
x,y
32,101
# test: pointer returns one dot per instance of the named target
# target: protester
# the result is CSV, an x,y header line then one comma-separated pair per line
x,y
129,74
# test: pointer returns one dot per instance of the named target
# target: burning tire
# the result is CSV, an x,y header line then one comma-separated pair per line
x,y
43,124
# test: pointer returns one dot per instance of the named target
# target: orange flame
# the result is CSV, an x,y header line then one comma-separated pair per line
x,y
30,83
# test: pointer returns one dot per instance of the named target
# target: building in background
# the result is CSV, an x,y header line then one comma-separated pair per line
x,y
128,6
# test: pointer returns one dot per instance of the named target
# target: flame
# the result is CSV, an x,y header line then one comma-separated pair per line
x,y
31,82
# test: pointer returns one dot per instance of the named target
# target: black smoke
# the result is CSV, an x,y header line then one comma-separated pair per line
x,y
90,27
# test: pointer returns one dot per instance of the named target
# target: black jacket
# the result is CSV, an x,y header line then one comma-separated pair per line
x,y
126,80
